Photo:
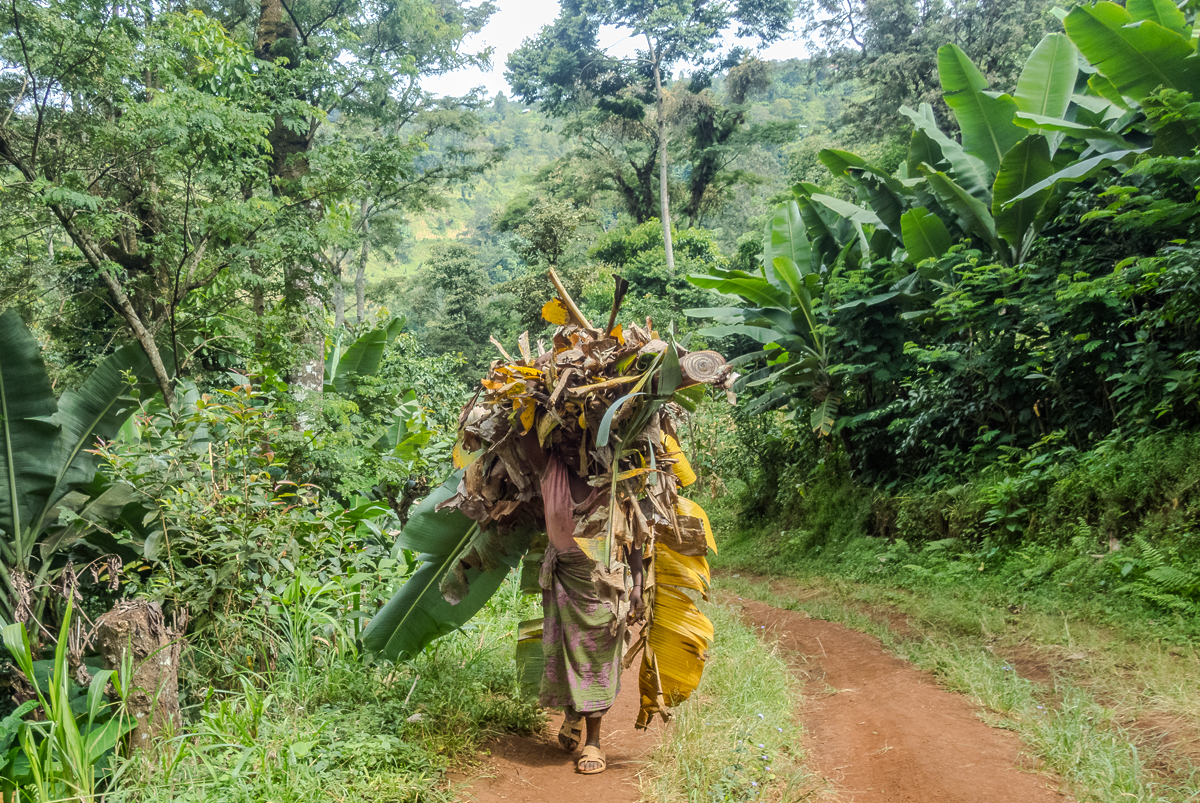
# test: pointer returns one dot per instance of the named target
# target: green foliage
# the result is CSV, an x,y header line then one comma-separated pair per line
x,y
68,751
47,455
224,530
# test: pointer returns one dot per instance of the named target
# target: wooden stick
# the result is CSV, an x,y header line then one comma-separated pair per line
x,y
566,299
618,297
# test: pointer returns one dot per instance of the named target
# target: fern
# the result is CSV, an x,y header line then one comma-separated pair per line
x,y
1175,580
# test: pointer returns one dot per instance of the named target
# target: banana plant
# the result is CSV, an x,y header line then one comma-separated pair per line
x,y
783,315
1001,184
45,454
363,357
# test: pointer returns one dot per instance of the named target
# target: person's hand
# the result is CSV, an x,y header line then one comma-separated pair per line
x,y
635,604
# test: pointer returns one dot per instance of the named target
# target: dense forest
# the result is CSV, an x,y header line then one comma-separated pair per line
x,y
251,271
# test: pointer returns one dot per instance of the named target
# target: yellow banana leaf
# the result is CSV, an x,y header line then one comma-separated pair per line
x,y
461,457
679,634
555,312
686,507
682,469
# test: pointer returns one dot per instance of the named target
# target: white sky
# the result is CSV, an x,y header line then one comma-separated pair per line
x,y
516,20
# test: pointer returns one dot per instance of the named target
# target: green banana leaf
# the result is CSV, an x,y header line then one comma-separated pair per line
x,y
785,237
1026,164
362,358
1137,59
972,214
1164,12
925,235
1048,78
419,613
27,406
986,118
1078,171
969,172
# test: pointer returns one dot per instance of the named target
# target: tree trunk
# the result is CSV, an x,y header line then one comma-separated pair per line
x,y
134,640
339,296
664,202
360,276
277,38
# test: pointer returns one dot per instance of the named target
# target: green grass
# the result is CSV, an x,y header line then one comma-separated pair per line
x,y
1074,725
348,728
736,739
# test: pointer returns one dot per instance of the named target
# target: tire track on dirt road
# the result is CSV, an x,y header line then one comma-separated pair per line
x,y
878,730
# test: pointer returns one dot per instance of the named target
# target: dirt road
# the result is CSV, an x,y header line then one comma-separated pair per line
x,y
534,769
878,731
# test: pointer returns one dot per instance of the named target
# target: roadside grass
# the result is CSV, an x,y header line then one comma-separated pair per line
x,y
736,739
348,728
1062,722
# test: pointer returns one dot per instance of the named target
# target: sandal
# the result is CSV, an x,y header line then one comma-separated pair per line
x,y
592,754
570,734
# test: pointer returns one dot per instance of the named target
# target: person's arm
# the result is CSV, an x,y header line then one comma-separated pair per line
x,y
635,569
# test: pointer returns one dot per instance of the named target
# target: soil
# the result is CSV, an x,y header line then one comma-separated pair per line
x,y
535,769
880,731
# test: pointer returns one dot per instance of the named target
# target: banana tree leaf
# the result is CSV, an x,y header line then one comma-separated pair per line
x,y
436,532
758,333
97,409
1028,163
986,119
848,210
1164,12
1078,171
827,231
756,290
602,432
969,171
972,214
1137,59
418,613
824,415
1077,130
1106,91
1048,79
362,358
28,479
785,237
925,235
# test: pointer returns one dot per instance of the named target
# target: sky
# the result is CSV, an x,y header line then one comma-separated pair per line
x,y
516,20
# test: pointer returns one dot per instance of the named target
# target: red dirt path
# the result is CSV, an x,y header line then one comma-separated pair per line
x,y
534,769
877,731
880,731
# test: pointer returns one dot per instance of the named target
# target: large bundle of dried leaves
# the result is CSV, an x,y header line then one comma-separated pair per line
x,y
607,402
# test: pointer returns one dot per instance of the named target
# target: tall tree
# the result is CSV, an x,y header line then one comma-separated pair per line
x,y
565,68
176,155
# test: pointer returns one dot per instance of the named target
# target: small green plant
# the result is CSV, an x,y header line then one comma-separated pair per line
x,y
66,753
